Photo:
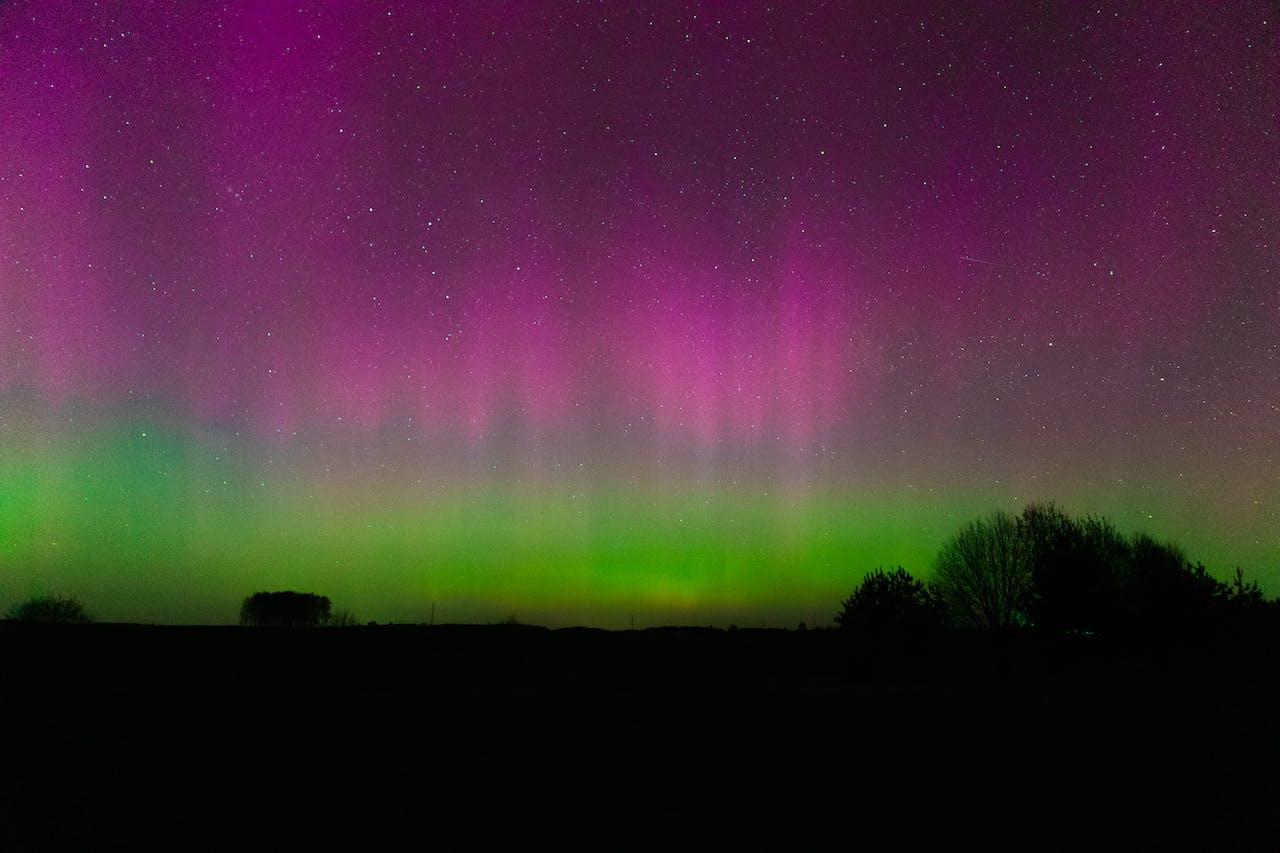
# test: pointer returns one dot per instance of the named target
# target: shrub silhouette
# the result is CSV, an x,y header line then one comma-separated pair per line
x,y
284,609
50,608
982,574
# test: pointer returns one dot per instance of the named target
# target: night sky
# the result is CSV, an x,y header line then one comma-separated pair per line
x,y
590,312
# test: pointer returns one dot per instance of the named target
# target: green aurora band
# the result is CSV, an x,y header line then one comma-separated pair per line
x,y
150,523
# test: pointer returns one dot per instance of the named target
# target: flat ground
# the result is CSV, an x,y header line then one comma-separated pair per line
x,y
187,738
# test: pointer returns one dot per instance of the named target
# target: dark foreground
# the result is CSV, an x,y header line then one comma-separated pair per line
x,y
121,736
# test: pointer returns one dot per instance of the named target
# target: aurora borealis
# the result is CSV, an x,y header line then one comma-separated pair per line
x,y
680,312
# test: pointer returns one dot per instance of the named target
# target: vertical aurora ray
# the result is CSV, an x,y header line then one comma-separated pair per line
x,y
723,312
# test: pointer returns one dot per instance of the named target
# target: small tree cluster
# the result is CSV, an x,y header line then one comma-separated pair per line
x,y
284,609
1060,574
50,608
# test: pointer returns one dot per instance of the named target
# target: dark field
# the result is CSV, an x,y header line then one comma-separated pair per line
x,y
119,736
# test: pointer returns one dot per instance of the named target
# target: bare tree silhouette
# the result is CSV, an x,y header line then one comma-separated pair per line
x,y
982,574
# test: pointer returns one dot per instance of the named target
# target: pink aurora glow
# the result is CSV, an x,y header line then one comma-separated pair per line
x,y
301,217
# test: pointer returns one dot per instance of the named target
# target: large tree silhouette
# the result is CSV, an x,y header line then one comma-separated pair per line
x,y
1077,567
982,574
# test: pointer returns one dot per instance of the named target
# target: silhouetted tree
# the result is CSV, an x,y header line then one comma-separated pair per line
x,y
50,608
288,609
1075,569
1239,594
1247,617
982,574
887,622
890,602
